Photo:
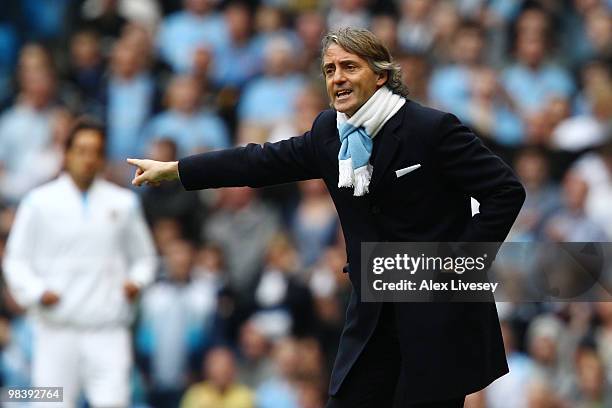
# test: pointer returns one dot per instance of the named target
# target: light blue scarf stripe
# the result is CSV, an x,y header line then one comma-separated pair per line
x,y
356,145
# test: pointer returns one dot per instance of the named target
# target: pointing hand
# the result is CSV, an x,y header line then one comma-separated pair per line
x,y
153,172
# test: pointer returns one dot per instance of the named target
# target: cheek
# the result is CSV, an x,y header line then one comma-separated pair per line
x,y
330,88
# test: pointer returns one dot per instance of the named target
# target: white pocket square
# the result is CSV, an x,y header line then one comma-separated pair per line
x,y
401,172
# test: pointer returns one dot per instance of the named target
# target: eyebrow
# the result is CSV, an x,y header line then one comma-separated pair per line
x,y
342,62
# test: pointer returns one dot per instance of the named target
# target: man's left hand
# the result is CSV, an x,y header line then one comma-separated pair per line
x,y
131,290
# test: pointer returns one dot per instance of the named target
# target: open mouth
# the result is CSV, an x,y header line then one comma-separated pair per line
x,y
343,94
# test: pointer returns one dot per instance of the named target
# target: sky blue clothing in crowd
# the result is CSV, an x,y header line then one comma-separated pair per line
x,y
276,393
16,356
130,104
508,129
449,89
23,131
533,89
203,130
175,322
233,65
182,33
269,99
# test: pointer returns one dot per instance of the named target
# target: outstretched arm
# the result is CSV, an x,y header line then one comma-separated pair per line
x,y
253,165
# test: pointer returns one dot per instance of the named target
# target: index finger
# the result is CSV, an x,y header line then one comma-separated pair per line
x,y
135,162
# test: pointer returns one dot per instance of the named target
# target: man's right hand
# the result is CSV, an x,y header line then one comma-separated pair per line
x,y
153,172
49,298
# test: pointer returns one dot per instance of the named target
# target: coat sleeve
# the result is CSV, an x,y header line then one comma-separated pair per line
x,y
476,171
253,165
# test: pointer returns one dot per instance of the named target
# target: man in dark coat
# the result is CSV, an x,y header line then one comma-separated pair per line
x,y
396,171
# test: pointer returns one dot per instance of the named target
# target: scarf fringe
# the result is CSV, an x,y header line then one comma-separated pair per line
x,y
345,177
362,180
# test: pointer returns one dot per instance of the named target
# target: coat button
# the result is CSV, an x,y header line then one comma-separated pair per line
x,y
375,209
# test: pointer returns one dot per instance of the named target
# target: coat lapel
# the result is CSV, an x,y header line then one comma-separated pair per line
x,y
389,145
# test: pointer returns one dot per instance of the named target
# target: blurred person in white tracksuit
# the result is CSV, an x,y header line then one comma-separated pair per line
x,y
77,256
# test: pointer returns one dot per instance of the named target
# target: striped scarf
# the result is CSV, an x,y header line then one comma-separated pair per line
x,y
356,134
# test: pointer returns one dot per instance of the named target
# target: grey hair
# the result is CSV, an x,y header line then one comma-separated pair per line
x,y
364,43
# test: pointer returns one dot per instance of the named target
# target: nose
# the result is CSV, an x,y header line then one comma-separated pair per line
x,y
338,77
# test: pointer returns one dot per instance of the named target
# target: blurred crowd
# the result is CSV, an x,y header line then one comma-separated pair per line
x,y
249,302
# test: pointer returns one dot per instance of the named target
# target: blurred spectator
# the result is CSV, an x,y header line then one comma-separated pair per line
x,y
279,390
270,23
130,100
15,343
599,32
310,27
384,27
547,346
49,160
449,87
446,20
315,221
508,391
593,389
586,31
145,12
595,76
310,394
603,336
306,106
597,169
243,226
586,131
193,128
330,289
269,98
532,168
165,231
541,394
103,16
415,31
571,223
348,13
276,88
141,38
197,26
87,69
489,111
25,128
281,303
175,324
532,81
239,59
255,365
170,200
415,74
220,388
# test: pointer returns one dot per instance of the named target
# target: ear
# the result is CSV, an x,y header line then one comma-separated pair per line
x,y
382,78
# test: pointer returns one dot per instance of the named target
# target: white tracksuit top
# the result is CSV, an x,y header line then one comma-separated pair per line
x,y
83,246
